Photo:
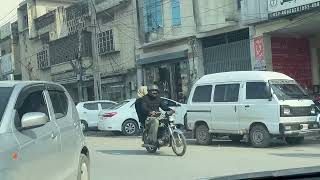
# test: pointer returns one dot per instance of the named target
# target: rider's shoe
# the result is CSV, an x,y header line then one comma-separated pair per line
x,y
148,146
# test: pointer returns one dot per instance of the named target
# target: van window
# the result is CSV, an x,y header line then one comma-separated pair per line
x,y
226,93
256,90
202,94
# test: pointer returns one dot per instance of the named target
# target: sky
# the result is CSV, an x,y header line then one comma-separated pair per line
x,y
6,6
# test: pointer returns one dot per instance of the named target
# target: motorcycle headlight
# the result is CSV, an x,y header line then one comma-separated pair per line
x,y
285,111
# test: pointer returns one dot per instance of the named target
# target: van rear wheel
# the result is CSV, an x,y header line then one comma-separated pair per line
x,y
259,136
203,136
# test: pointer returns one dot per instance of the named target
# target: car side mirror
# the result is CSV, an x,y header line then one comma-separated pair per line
x,y
33,120
178,105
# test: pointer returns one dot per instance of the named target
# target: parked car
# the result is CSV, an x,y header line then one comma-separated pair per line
x,y
123,117
261,105
40,133
89,110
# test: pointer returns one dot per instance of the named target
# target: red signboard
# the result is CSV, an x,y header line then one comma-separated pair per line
x,y
259,48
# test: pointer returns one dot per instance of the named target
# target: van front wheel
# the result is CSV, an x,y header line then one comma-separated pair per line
x,y
259,136
203,136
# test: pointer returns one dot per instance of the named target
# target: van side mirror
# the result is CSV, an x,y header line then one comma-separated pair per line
x,y
33,120
269,93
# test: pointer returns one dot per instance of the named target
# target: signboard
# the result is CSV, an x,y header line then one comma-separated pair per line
x,y
278,8
259,54
6,64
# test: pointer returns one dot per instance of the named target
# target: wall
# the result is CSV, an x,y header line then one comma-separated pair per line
x,y
215,14
253,11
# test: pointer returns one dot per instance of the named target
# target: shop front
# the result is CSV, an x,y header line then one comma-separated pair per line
x,y
289,42
170,72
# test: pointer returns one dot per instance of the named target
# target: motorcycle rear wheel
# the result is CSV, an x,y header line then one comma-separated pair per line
x,y
179,141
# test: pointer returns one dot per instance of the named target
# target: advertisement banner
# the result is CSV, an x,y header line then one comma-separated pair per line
x,y
259,54
278,8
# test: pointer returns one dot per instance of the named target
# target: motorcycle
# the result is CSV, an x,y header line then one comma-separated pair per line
x,y
168,135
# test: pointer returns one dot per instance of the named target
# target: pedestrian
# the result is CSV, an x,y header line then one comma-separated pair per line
x,y
142,91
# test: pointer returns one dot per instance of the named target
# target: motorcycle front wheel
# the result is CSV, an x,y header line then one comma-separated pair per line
x,y
179,144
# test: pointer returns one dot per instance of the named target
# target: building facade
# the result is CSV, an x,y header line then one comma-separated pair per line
x,y
10,64
285,37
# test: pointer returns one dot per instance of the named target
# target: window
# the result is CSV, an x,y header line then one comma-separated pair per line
x,y
176,16
91,106
105,42
106,105
152,12
202,94
226,93
256,90
43,59
5,94
34,102
239,4
60,103
169,103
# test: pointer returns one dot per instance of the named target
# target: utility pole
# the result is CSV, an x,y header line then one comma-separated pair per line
x,y
79,67
95,56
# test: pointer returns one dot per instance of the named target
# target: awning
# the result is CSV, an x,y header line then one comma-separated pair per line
x,y
163,57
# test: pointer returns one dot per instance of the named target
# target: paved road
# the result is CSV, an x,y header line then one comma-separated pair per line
x,y
122,158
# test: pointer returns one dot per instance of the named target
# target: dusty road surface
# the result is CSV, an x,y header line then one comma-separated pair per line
x,y
123,158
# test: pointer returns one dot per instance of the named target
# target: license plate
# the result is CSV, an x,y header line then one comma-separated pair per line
x,y
305,126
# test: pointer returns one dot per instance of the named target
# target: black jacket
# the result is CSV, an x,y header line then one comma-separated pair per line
x,y
150,104
141,115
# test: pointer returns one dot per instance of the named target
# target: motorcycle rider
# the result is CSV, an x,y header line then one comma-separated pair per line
x,y
142,91
150,106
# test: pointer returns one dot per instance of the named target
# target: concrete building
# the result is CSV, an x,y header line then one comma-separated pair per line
x,y
181,40
285,37
166,55
117,37
39,22
10,64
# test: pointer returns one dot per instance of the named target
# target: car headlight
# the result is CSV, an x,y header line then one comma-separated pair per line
x,y
313,110
285,111
287,128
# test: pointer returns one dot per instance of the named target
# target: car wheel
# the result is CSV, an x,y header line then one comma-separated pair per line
x,y
259,136
84,168
84,125
294,140
130,128
203,136
235,138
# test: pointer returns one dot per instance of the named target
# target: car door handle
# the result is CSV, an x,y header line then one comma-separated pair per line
x,y
53,135
84,112
246,106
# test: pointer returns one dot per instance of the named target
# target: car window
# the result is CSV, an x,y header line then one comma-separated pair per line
x,y
226,93
169,103
4,97
34,102
91,106
256,90
60,103
202,94
106,105
117,106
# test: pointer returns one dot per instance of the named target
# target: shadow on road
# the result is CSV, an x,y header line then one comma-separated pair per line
x,y
295,155
131,152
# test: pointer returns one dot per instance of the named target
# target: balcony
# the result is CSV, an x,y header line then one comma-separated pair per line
x,y
102,5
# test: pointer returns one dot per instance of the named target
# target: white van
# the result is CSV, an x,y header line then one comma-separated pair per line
x,y
260,104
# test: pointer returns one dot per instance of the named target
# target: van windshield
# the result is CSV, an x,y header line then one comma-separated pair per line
x,y
288,90
5,93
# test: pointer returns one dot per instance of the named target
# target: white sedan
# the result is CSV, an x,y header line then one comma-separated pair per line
x,y
123,117
88,112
